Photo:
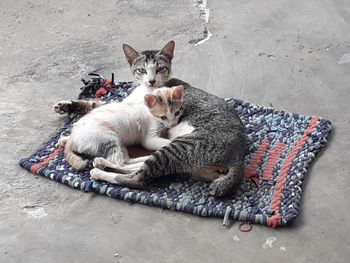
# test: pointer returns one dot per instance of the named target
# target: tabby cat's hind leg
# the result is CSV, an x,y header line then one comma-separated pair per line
x,y
209,174
229,183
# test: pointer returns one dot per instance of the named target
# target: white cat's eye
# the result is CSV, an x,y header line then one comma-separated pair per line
x,y
163,118
141,71
160,69
177,113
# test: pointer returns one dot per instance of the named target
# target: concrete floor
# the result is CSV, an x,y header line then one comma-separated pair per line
x,y
286,53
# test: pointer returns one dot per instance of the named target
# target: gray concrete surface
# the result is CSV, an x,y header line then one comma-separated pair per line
x,y
287,53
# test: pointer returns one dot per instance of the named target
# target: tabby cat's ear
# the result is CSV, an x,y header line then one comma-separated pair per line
x,y
168,49
150,100
178,93
130,53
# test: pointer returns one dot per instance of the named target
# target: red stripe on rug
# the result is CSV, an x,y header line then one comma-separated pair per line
x,y
272,160
251,169
37,166
280,184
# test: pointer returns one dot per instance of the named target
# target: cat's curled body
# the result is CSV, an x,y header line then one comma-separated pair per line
x,y
107,130
210,147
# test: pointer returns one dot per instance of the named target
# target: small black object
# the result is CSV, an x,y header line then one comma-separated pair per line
x,y
90,86
112,79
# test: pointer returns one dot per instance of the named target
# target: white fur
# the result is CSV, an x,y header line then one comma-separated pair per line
x,y
97,174
126,123
62,141
151,75
181,129
133,165
138,94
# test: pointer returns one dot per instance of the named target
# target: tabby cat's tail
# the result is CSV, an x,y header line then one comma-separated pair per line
x,y
73,159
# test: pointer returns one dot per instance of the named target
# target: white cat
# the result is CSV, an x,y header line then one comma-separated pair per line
x,y
105,131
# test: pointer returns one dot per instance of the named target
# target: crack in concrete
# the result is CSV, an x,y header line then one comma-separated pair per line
x,y
200,40
204,12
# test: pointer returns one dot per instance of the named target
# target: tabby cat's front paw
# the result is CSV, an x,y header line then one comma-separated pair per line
x,y
62,107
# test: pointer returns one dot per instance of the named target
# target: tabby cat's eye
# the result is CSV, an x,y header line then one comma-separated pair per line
x,y
160,69
163,118
177,113
141,71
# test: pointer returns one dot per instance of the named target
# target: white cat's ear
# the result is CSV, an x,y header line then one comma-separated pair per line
x,y
150,100
130,53
178,93
168,49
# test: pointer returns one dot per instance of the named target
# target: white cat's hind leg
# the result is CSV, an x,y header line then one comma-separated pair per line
x,y
63,140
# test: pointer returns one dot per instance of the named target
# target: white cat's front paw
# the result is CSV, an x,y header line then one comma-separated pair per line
x,y
61,107
96,174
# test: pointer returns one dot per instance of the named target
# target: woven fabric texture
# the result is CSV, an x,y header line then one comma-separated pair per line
x,y
281,148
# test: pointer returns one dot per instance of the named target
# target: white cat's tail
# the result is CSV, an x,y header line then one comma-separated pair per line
x,y
73,159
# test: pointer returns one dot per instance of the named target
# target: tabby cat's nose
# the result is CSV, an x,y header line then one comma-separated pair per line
x,y
152,82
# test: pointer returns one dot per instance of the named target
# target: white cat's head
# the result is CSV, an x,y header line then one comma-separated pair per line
x,y
150,68
165,104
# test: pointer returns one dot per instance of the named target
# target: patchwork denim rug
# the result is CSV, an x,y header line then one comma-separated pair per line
x,y
281,148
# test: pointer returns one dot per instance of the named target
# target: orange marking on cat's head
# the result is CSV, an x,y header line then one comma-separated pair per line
x,y
165,102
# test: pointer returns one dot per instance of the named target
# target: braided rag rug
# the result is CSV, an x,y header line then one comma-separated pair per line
x,y
281,148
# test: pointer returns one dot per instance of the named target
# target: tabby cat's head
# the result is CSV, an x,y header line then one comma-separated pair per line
x,y
151,68
165,104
